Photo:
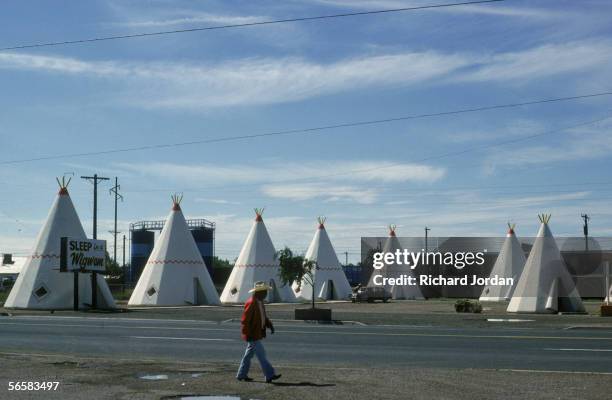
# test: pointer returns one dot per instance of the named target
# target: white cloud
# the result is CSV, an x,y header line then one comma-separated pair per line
x,y
324,191
31,62
584,143
262,81
215,201
253,81
531,201
355,171
542,62
247,81
16,244
486,214
486,9
194,17
516,12
351,181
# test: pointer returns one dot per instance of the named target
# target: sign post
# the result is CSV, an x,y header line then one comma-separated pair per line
x,y
83,255
76,291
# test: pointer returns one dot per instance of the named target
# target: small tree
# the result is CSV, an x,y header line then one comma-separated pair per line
x,y
114,272
221,263
296,269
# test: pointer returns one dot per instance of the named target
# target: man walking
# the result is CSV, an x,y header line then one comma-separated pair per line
x,y
253,325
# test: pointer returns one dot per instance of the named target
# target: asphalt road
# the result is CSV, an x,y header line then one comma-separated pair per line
x,y
500,347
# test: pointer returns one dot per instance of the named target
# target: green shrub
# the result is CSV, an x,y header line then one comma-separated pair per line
x,y
468,306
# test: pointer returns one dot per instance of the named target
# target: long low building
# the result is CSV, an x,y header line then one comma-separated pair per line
x,y
11,266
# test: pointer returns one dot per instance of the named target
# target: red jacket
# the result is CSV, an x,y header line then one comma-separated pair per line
x,y
250,322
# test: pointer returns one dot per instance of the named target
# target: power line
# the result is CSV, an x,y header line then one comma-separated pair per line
x,y
451,154
428,158
438,156
244,25
305,130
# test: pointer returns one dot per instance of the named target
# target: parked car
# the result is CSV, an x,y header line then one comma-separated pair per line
x,y
370,294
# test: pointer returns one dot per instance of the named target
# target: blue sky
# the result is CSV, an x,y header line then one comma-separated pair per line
x,y
195,86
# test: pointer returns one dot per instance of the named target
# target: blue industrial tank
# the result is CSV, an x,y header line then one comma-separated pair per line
x,y
204,238
142,246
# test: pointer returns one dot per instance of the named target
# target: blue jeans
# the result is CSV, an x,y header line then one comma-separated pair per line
x,y
255,348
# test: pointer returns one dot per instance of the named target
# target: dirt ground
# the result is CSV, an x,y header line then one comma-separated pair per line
x,y
99,378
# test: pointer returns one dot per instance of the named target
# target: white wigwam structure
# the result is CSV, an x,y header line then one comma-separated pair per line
x,y
175,274
545,285
509,264
40,284
329,279
393,270
256,262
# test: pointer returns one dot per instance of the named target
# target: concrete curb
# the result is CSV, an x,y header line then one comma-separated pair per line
x,y
334,322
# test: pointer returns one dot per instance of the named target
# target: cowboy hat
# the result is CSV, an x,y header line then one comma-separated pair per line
x,y
260,287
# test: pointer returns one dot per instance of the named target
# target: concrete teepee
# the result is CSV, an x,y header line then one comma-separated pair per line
x,y
175,274
407,292
329,278
509,264
545,285
40,284
256,262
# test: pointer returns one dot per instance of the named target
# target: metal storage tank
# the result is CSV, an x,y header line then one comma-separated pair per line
x,y
204,238
143,239
142,246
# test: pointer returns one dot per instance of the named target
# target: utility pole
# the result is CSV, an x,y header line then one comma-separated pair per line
x,y
426,236
346,258
123,269
585,230
115,190
94,276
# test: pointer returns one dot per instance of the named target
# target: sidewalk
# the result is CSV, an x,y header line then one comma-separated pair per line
x,y
425,312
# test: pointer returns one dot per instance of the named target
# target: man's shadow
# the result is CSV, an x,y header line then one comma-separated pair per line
x,y
303,384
